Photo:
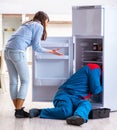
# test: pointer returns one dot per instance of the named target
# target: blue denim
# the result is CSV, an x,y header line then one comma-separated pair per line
x,y
18,70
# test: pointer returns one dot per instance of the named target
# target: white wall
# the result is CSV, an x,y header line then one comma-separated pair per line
x,y
50,6
57,10
1,40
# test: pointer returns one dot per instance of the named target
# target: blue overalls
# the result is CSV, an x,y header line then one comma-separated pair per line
x,y
70,99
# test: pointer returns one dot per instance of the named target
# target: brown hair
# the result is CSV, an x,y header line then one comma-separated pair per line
x,y
41,16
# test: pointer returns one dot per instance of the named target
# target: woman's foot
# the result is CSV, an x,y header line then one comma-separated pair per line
x,y
20,113
75,120
34,112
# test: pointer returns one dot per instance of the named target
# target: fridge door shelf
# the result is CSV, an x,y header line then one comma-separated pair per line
x,y
42,57
51,68
49,82
50,44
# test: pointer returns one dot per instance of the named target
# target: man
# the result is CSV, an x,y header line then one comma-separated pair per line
x,y
71,100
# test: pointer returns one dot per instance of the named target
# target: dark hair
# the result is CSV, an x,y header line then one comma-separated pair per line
x,y
41,16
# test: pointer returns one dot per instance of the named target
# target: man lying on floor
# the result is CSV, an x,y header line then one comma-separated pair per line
x,y
71,100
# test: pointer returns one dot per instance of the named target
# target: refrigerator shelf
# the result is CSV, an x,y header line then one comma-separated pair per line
x,y
93,51
98,62
88,37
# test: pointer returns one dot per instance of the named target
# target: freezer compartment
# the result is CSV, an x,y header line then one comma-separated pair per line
x,y
87,20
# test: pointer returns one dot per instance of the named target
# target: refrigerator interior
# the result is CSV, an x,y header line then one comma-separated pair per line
x,y
89,50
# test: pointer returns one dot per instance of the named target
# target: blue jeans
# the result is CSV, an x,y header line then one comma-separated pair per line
x,y
18,69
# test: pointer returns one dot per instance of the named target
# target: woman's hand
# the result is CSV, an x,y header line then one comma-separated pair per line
x,y
55,52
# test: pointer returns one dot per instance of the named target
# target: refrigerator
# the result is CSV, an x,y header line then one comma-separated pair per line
x,y
93,40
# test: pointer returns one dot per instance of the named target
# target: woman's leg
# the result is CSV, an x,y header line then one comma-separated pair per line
x,y
13,77
15,102
17,65
23,72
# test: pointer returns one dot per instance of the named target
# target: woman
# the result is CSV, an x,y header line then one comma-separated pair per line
x,y
28,34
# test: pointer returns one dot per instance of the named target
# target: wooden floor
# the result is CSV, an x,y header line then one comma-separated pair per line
x,y
9,122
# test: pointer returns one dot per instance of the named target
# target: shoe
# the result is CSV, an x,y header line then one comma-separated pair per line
x,y
20,113
75,120
34,112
